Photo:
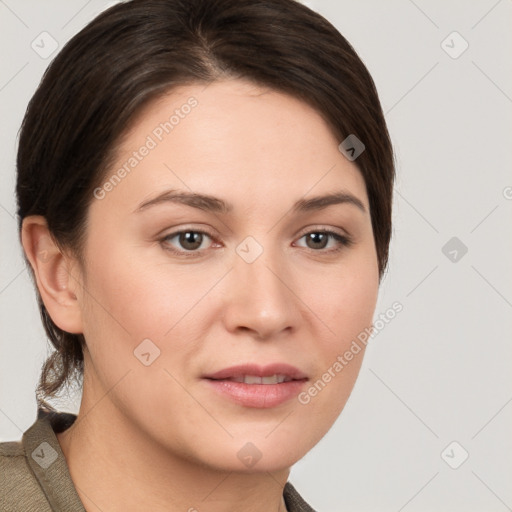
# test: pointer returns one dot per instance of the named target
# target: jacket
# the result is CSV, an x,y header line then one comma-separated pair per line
x,y
34,476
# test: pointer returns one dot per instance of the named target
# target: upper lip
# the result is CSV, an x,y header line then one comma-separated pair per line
x,y
258,371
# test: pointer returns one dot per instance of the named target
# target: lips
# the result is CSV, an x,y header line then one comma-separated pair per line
x,y
234,372
258,386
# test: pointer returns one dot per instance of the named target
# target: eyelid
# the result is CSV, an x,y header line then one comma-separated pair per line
x,y
322,228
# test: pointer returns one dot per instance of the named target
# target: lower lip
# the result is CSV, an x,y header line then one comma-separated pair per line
x,y
261,396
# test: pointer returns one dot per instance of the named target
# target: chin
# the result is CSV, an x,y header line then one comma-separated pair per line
x,y
255,454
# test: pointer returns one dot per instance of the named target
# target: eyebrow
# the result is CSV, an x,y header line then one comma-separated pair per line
x,y
214,204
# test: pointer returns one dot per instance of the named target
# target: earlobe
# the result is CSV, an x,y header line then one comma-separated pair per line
x,y
54,274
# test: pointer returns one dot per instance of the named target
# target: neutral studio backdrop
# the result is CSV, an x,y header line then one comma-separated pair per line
x,y
428,424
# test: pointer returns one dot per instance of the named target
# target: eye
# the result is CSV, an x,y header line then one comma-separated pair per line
x,y
188,240
191,243
319,240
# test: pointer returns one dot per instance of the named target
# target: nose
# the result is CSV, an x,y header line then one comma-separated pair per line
x,y
262,297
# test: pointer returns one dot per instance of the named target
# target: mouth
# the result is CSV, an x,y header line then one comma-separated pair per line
x,y
255,379
258,386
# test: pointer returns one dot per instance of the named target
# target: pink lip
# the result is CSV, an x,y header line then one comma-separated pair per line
x,y
259,371
262,396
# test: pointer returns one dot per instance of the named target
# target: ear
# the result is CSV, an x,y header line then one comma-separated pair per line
x,y
56,274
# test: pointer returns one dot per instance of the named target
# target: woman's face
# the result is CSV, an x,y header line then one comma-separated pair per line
x,y
195,309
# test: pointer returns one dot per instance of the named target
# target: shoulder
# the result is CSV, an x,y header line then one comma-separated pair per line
x,y
19,489
13,464
33,472
294,501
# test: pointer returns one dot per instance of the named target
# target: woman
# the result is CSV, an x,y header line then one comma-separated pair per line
x,y
204,196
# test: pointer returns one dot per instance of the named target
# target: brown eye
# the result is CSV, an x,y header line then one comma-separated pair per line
x,y
190,240
317,240
186,241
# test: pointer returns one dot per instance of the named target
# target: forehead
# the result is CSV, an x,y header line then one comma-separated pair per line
x,y
232,139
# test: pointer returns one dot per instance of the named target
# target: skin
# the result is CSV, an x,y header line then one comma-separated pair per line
x,y
157,436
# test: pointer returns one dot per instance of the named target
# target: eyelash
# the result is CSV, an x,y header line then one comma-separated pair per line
x,y
343,240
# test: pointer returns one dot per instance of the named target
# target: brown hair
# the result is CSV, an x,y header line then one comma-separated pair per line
x,y
138,50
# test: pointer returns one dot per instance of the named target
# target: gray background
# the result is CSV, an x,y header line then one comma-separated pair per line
x,y
441,370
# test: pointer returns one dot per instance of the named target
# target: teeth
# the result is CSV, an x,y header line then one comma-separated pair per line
x,y
254,379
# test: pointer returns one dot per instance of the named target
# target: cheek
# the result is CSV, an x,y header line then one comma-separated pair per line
x,y
345,306
127,300
345,302
117,297
137,294
348,315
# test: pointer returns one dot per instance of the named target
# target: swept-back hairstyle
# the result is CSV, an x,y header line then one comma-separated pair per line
x,y
138,50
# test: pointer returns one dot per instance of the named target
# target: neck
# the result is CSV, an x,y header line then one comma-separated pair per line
x,y
115,467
